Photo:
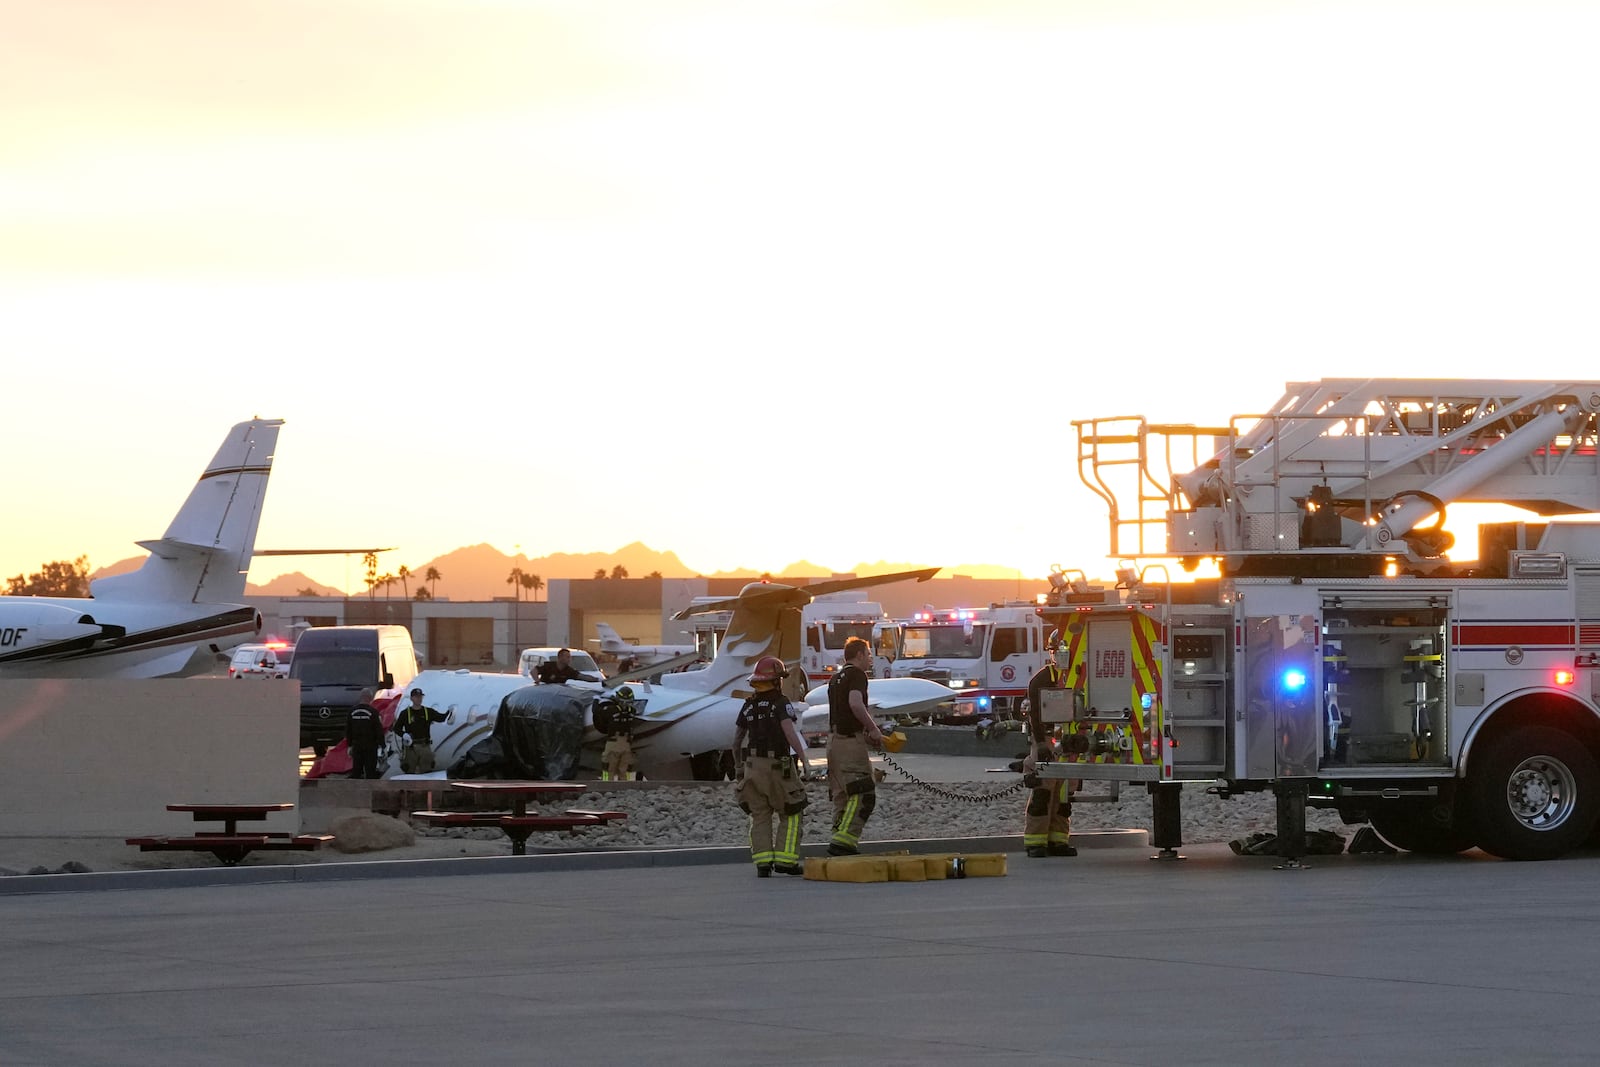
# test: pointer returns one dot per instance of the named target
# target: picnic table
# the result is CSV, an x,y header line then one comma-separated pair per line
x,y
518,823
229,845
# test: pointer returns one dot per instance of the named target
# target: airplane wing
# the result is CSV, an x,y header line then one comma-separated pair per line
x,y
815,589
652,669
884,696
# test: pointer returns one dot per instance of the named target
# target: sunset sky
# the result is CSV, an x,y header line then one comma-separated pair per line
x,y
560,276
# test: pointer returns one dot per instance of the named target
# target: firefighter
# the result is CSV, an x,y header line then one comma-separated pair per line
x,y
1047,822
767,743
414,727
363,735
616,718
851,785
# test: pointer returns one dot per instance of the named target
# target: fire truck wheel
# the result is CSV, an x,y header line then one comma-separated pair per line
x,y
1533,794
1414,828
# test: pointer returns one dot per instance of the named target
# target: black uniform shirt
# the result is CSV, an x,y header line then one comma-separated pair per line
x,y
763,716
364,727
841,719
415,721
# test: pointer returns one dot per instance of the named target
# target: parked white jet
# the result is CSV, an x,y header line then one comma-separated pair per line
x,y
181,605
627,654
686,720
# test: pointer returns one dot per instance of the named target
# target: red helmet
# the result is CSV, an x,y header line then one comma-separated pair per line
x,y
769,669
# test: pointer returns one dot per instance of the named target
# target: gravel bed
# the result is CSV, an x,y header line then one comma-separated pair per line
x,y
708,815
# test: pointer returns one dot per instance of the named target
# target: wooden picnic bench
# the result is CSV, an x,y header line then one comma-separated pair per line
x,y
230,846
516,827
518,824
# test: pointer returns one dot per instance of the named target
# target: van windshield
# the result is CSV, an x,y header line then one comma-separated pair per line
x,y
335,666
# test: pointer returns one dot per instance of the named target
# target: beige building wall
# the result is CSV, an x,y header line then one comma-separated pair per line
x,y
97,758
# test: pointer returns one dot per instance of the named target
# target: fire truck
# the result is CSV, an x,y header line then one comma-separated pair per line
x,y
826,624
985,654
1340,659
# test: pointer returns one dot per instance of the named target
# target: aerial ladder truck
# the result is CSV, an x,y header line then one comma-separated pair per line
x,y
1341,659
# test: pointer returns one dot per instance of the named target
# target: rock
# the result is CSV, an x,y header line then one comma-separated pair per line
x,y
74,867
371,833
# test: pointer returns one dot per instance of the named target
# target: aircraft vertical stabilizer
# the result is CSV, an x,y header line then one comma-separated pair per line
x,y
766,622
205,553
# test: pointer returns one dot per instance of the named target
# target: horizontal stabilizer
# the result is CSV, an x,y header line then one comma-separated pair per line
x,y
170,549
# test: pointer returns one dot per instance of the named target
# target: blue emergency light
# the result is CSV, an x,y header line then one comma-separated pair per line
x,y
1294,680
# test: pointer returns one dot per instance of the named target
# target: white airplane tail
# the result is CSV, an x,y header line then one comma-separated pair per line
x,y
766,622
205,553
611,641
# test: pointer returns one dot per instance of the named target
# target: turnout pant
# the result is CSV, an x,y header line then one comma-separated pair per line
x,y
417,758
850,786
1048,820
771,788
616,762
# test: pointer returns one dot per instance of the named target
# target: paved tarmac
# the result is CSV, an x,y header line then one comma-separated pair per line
x,y
1108,958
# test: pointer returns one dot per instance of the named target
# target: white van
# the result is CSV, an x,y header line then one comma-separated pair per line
x,y
261,661
528,663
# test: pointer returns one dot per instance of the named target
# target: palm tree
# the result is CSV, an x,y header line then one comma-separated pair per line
x,y
619,571
537,584
432,577
527,580
387,581
514,580
404,574
370,561
599,572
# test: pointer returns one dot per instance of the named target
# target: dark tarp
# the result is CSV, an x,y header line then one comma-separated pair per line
x,y
540,731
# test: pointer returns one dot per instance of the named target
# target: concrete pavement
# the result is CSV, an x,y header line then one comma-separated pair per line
x,y
1106,958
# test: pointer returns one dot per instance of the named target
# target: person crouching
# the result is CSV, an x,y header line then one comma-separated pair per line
x,y
767,743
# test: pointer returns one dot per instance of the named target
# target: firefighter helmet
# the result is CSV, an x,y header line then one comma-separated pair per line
x,y
624,696
769,669
1053,642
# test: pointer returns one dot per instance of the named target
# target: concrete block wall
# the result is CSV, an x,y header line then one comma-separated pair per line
x,y
101,758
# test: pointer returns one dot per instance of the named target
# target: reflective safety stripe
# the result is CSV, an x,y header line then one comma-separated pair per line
x,y
789,854
1077,655
841,832
1146,680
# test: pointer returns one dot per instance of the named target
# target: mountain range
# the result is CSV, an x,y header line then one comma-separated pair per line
x,y
481,572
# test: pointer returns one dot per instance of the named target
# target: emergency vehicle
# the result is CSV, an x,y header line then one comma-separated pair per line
x,y
826,624
1341,659
986,655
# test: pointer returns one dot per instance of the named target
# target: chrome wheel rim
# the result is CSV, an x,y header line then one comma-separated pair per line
x,y
1541,792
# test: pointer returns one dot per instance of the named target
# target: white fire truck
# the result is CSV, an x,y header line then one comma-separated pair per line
x,y
1341,659
986,655
826,624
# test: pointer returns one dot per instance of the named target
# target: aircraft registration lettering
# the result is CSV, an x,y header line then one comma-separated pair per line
x,y
12,635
